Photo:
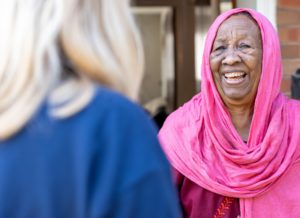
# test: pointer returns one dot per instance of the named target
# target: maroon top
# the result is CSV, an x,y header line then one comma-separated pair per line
x,y
198,202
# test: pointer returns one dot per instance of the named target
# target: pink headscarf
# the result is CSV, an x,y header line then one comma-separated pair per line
x,y
202,143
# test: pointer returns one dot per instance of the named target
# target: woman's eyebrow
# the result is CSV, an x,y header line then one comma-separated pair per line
x,y
220,40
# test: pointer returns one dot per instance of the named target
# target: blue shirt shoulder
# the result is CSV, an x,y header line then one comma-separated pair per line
x,y
105,161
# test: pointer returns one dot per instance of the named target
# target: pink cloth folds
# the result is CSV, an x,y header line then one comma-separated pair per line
x,y
202,143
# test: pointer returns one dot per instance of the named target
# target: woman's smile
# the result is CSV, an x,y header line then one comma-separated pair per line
x,y
234,78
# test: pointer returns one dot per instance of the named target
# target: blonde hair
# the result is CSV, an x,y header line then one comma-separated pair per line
x,y
96,39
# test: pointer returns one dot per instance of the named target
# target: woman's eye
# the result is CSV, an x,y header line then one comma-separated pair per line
x,y
220,48
243,45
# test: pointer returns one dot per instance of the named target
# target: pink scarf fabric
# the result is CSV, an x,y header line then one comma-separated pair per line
x,y
202,143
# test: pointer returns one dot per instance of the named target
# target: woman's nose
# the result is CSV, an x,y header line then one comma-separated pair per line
x,y
231,57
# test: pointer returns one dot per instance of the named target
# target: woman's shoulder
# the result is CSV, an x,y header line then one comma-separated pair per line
x,y
293,109
290,106
111,113
114,115
293,103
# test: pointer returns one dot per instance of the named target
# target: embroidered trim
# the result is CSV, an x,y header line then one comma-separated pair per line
x,y
224,206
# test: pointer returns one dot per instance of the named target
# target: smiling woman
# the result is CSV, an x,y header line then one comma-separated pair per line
x,y
235,147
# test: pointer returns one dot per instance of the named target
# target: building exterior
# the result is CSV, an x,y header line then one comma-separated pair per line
x,y
288,24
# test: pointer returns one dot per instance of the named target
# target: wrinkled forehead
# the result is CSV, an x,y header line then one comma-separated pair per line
x,y
242,23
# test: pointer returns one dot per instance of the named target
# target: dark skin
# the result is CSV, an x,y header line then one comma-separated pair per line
x,y
235,61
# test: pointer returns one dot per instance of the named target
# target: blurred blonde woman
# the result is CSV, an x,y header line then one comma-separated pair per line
x,y
70,146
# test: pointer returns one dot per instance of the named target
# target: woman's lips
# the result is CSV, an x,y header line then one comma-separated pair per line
x,y
234,77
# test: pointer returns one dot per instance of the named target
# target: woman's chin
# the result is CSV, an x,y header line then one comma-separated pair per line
x,y
235,95
236,90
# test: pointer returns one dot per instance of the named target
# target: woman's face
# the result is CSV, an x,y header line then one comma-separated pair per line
x,y
236,58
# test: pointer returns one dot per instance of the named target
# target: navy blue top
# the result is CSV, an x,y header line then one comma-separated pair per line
x,y
104,161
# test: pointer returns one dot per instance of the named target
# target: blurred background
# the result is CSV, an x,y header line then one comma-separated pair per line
x,y
173,33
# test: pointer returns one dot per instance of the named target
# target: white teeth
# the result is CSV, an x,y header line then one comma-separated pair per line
x,y
234,74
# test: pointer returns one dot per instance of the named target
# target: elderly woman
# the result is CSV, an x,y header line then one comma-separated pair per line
x,y
235,146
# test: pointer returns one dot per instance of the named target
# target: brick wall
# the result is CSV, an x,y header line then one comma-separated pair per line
x,y
288,23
